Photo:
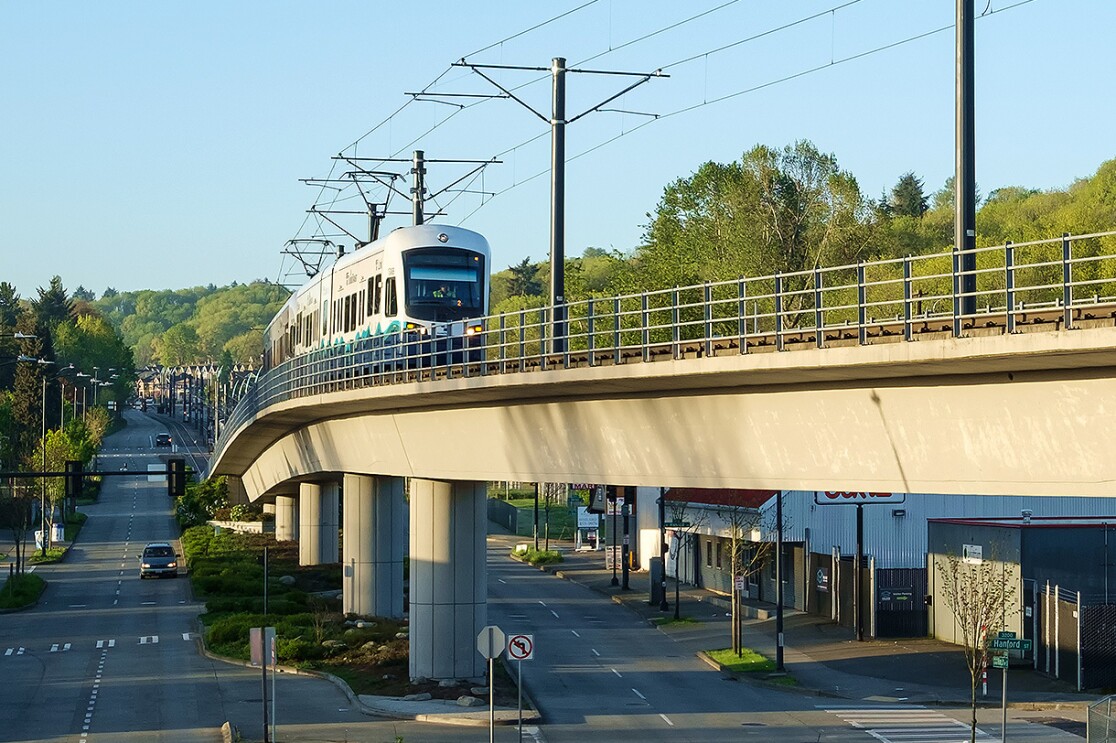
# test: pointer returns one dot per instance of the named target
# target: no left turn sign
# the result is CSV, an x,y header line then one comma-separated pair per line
x,y
521,647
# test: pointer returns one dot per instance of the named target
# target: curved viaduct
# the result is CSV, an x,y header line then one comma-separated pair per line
x,y
1028,414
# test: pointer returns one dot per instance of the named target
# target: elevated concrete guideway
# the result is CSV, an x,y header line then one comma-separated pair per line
x,y
1028,413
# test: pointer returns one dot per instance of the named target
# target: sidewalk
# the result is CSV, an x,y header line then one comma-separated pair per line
x,y
822,657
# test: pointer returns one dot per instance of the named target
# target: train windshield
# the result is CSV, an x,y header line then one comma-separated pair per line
x,y
443,284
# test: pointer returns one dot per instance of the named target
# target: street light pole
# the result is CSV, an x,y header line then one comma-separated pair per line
x,y
42,481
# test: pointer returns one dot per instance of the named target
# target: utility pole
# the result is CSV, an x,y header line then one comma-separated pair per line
x,y
558,121
964,179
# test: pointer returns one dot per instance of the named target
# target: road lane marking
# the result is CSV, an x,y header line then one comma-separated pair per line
x,y
501,580
554,613
666,719
617,672
575,633
106,644
147,603
77,606
639,695
149,640
595,652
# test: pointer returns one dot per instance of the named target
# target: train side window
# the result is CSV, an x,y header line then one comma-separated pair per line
x,y
379,291
360,307
391,304
371,296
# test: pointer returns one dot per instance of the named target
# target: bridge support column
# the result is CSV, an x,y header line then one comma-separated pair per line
x,y
372,561
317,523
286,521
448,579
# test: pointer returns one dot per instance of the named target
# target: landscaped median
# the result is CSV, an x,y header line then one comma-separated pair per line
x,y
747,664
370,654
527,553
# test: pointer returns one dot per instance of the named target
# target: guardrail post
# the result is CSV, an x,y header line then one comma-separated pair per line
x,y
1009,284
645,332
675,323
819,321
956,293
708,319
503,344
618,358
1067,276
907,298
592,345
742,314
861,305
778,312
544,324
522,339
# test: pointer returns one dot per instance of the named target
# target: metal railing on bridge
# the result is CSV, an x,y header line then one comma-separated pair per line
x,y
1049,284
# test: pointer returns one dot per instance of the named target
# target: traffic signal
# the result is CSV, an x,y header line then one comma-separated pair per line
x,y
74,480
176,477
597,499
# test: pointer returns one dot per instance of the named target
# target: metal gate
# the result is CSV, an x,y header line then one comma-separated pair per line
x,y
901,602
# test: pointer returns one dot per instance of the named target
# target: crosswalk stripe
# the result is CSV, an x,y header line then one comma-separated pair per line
x,y
905,724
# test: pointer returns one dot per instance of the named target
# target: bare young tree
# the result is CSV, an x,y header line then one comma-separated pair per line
x,y
747,556
979,593
686,520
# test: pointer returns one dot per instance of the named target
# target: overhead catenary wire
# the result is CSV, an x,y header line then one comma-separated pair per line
x,y
735,94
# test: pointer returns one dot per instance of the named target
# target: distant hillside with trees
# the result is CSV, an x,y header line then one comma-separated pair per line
x,y
184,326
795,208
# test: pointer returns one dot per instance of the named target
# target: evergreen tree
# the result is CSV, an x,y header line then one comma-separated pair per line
x,y
54,305
523,281
907,197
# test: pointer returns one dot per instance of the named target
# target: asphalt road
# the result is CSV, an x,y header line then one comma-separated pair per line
x,y
106,657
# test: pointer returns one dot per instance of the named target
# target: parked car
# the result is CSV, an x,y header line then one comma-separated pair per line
x,y
163,439
158,559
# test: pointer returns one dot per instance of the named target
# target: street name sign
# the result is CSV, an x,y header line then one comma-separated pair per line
x,y
1009,643
1000,661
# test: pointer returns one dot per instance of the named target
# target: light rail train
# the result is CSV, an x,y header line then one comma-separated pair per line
x,y
411,292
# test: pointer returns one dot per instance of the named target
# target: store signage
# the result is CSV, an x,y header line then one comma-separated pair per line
x,y
822,580
841,497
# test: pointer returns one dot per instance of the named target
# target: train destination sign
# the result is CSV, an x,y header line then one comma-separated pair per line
x,y
841,497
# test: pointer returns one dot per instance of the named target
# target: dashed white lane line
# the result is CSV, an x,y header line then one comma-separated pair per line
x,y
636,691
542,603
555,614
666,719
617,673
595,652
575,633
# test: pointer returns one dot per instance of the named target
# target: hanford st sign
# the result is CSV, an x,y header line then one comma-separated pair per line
x,y
842,498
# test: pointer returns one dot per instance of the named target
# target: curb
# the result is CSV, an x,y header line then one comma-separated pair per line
x,y
354,699
557,571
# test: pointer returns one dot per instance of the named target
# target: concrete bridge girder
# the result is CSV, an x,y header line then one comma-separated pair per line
x,y
995,415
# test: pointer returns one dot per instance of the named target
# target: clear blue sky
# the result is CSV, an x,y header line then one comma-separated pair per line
x,y
159,144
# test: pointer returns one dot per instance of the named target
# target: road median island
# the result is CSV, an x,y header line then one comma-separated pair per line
x,y
368,657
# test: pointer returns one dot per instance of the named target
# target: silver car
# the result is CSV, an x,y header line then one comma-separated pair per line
x,y
158,559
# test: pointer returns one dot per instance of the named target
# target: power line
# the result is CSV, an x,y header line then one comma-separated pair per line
x,y
752,89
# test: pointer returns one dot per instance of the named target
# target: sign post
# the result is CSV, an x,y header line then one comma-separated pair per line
x,y
490,643
858,499
1006,641
521,648
261,642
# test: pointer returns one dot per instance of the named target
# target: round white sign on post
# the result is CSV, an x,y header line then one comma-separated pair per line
x,y
521,647
490,641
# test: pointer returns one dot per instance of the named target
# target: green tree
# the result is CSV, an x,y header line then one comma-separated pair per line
x,y
524,281
177,346
907,197
53,305
785,211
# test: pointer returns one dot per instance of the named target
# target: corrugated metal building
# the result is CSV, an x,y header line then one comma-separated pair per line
x,y
819,541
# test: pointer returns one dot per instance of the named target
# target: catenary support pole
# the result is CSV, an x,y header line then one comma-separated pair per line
x,y
625,552
964,227
558,204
